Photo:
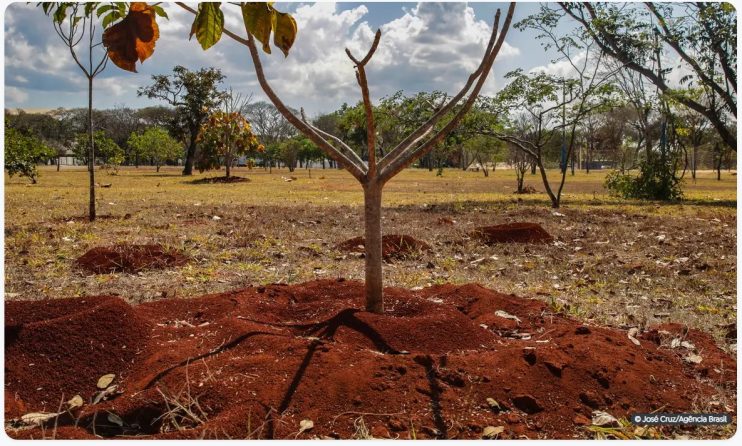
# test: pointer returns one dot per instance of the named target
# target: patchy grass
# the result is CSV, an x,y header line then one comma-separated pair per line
x,y
614,261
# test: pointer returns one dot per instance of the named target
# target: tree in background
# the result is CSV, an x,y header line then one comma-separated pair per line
x,y
702,36
270,127
108,152
194,94
23,153
46,127
226,135
155,144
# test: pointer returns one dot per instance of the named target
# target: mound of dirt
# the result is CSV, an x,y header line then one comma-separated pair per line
x,y
129,259
513,233
442,362
58,348
393,246
220,180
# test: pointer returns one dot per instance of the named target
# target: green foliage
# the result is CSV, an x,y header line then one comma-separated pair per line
x,y
106,149
156,144
656,181
23,153
224,137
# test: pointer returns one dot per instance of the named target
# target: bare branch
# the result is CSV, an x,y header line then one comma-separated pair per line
x,y
325,146
334,138
405,158
367,107
370,53
414,137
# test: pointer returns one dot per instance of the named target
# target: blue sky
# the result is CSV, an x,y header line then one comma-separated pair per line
x,y
424,46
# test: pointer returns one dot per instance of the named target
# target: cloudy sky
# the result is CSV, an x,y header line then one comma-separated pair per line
x,y
424,46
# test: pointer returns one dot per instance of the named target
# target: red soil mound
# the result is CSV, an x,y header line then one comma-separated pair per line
x,y
392,246
129,259
513,233
260,360
61,347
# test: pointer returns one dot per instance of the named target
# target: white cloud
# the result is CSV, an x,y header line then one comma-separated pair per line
x,y
15,95
431,46
562,68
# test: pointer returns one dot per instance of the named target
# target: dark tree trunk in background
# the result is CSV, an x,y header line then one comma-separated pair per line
x,y
191,154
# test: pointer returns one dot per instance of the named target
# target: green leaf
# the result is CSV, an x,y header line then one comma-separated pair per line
x,y
208,24
284,28
258,18
61,13
89,7
110,18
99,12
159,11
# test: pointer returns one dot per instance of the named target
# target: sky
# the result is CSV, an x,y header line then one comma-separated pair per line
x,y
424,46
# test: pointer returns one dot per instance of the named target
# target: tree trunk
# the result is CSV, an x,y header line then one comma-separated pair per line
x,y
372,223
227,166
191,154
91,152
554,199
158,168
59,162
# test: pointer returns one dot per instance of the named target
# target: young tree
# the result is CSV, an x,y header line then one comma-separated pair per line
x,y
261,20
156,144
194,95
23,153
225,136
75,23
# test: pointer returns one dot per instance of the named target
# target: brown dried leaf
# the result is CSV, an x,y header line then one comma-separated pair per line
x,y
133,38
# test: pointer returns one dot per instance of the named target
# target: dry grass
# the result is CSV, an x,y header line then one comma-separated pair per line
x,y
615,262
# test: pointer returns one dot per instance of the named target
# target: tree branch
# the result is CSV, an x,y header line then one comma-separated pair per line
x,y
422,131
367,107
407,157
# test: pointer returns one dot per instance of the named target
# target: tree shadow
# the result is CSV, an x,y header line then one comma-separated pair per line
x,y
324,331
434,393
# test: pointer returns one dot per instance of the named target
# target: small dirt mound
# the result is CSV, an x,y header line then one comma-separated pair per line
x,y
56,348
513,233
393,246
220,180
129,259
254,363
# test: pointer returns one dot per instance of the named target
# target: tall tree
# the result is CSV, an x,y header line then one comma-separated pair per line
x,y
194,94
702,36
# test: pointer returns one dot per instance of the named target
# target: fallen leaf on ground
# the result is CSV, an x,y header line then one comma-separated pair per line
x,y
492,431
601,418
106,380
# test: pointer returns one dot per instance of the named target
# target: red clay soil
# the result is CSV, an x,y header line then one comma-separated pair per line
x,y
513,233
129,259
260,360
393,246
